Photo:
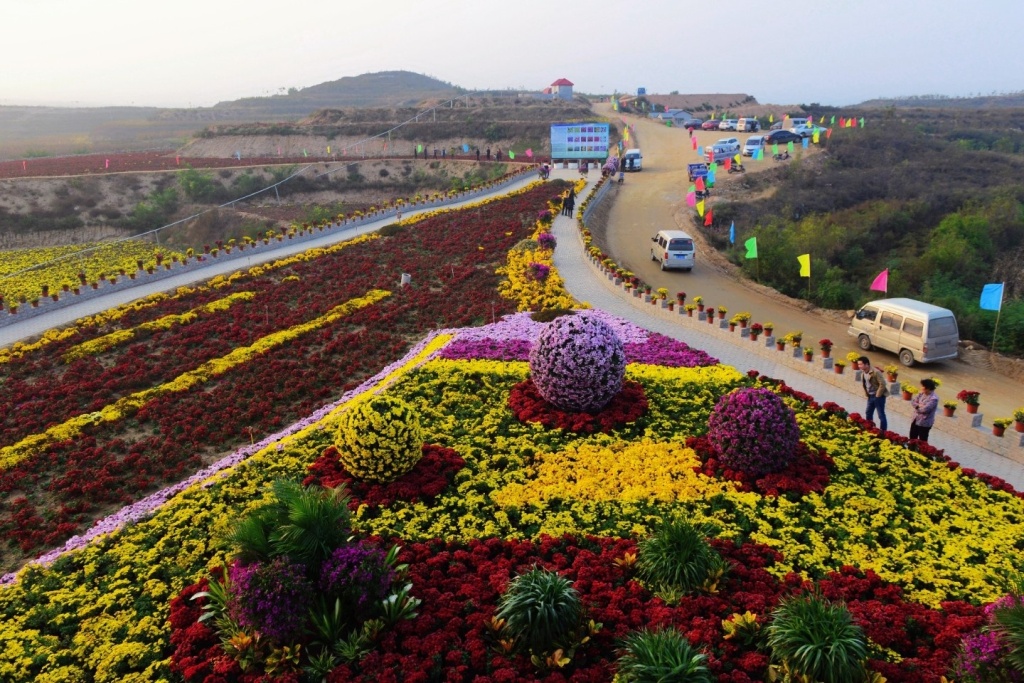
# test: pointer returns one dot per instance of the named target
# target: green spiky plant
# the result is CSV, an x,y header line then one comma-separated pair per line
x,y
1008,621
306,524
677,558
542,611
659,656
817,639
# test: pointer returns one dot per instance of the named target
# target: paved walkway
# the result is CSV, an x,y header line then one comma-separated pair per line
x,y
585,283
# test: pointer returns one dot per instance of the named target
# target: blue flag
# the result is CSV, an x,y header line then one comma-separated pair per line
x,y
700,150
992,297
732,233
465,147
805,142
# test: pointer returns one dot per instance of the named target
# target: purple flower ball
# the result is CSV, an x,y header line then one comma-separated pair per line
x,y
546,240
578,363
754,431
272,598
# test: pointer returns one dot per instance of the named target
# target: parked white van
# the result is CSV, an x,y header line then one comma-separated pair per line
x,y
674,248
632,160
917,331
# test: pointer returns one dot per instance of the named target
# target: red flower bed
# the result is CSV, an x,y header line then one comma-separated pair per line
x,y
431,475
73,482
807,472
451,639
627,406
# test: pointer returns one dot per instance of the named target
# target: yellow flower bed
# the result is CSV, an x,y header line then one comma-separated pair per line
x,y
96,259
119,409
108,341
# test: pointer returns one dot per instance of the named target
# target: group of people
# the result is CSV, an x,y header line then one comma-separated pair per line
x,y
443,153
925,403
569,202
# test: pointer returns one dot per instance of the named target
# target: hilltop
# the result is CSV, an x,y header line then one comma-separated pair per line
x,y
1003,101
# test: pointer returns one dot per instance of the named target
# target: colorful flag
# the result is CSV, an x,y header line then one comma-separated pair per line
x,y
707,219
691,199
728,164
732,233
822,119
529,152
712,168
700,208
862,122
771,118
699,184
881,282
465,148
775,148
177,160
759,154
751,246
711,178
693,143
991,297
828,133
816,137
107,164
511,154
833,122
842,122
419,148
738,159
700,150
329,148
692,188
304,153
806,142
789,146
805,265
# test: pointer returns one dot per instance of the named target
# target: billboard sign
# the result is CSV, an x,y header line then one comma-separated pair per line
x,y
579,140
640,92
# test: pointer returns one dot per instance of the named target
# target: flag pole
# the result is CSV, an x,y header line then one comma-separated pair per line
x,y
996,330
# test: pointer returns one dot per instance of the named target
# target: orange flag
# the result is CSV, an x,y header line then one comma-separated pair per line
x,y
728,164
707,218
699,183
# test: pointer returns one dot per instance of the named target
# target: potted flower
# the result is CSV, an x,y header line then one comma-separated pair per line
x,y
808,354
690,308
681,298
999,426
795,338
722,310
699,300
780,343
769,329
755,331
908,390
743,317
733,322
711,314
826,347
838,366
662,293
949,408
891,372
1018,419
971,398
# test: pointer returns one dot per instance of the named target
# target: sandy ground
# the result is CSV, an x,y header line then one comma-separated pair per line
x,y
654,199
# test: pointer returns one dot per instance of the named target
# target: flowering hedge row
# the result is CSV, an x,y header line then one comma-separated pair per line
x,y
63,486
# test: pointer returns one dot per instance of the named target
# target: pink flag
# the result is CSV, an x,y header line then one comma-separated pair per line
x,y
24,166
693,142
177,160
529,153
107,164
691,199
881,283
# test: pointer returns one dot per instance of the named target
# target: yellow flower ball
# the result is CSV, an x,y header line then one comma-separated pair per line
x,y
380,439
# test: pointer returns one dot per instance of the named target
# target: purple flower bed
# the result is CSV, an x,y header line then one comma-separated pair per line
x,y
661,350
753,431
271,598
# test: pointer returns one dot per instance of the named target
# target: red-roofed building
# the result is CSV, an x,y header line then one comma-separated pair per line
x,y
562,89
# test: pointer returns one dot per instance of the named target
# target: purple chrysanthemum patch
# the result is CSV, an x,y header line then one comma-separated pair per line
x,y
578,363
754,431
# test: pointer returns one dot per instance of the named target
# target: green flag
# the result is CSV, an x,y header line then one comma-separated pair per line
x,y
511,154
833,120
751,246
775,148
789,146
419,148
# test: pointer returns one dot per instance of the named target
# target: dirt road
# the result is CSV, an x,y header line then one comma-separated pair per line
x,y
654,199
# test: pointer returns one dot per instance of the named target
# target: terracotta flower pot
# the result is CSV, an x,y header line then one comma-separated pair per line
x,y
700,307
781,346
732,327
743,324
971,408
808,357
838,369
711,320
948,412
1018,426
754,336
825,353
997,430
890,376
907,396
690,312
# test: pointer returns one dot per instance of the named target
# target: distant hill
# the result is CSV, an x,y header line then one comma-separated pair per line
x,y
1007,100
383,89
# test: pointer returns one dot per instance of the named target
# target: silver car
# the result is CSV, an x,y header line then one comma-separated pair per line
x,y
753,143
728,124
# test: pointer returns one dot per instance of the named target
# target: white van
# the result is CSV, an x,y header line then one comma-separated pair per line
x,y
674,248
748,125
632,160
917,331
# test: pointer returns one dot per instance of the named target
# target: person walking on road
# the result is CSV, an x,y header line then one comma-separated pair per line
x,y
924,403
876,390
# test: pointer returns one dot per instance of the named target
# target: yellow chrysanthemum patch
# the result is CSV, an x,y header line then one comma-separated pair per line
x,y
379,439
643,471
529,293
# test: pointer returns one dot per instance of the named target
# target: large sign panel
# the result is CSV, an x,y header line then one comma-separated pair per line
x,y
579,140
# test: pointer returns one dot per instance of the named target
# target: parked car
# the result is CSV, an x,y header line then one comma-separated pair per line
x,y
728,143
727,124
753,143
748,125
694,171
781,136
776,126
693,124
918,332
807,131
710,125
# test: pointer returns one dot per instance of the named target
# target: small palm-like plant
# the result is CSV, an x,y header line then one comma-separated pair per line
x,y
677,557
664,655
1009,624
542,611
306,524
818,640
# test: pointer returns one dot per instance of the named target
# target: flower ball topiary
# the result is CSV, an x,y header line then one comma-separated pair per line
x,y
578,363
754,431
379,439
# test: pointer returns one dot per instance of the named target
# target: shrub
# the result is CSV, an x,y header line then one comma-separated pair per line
x,y
817,639
678,558
379,439
358,575
271,598
663,655
542,611
754,431
578,363
546,240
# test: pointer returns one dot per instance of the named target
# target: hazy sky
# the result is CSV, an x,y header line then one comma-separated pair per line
x,y
198,52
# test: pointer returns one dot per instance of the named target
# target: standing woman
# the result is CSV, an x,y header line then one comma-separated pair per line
x,y
924,404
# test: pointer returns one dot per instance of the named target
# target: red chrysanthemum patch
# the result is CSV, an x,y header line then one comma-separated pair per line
x,y
431,475
627,406
807,472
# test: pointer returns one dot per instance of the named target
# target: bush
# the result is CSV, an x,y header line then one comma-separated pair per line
x,y
663,655
754,431
271,598
542,611
578,363
357,575
818,640
677,558
379,439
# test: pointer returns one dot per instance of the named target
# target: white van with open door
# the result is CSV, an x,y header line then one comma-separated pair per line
x,y
916,331
632,160
674,249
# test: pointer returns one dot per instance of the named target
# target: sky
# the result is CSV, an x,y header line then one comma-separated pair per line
x,y
191,53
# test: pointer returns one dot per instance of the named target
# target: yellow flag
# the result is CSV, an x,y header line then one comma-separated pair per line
x,y
738,159
815,137
771,118
822,120
805,265
328,149
700,208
